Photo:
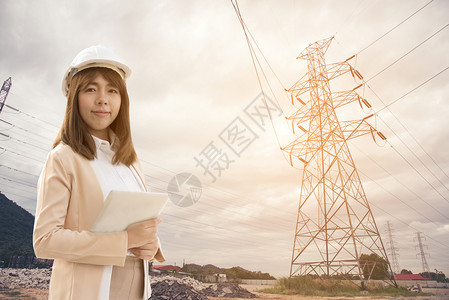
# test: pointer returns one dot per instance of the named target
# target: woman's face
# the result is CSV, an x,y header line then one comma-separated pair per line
x,y
99,104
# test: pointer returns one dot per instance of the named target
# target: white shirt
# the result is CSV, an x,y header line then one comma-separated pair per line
x,y
112,177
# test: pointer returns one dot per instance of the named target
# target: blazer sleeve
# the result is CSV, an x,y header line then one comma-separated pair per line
x,y
51,239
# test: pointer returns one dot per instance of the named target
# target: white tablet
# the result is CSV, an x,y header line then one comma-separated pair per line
x,y
122,208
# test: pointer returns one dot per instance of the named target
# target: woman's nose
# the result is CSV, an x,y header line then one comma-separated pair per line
x,y
102,98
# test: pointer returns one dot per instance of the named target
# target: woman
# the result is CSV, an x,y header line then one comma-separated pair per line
x,y
93,154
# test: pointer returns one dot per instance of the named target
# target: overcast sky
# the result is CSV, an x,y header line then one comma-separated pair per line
x,y
193,79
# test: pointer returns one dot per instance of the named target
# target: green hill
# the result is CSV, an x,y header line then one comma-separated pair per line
x,y
16,231
231,273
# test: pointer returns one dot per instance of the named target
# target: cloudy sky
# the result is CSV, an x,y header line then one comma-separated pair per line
x,y
193,80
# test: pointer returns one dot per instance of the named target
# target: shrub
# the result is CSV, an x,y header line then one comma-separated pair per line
x,y
309,286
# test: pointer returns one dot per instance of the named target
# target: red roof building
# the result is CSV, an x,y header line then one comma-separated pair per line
x,y
409,277
166,268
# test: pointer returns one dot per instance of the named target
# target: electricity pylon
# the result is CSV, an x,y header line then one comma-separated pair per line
x,y
393,249
335,228
422,254
4,92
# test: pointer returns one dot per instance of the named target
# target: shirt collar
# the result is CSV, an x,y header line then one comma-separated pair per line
x,y
99,142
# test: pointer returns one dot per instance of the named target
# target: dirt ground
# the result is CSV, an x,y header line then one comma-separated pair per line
x,y
437,294
24,294
34,294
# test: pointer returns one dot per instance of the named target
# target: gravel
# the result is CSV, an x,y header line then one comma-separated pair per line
x,y
164,287
25,278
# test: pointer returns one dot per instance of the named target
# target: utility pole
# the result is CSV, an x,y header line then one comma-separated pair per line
x,y
425,266
393,249
335,230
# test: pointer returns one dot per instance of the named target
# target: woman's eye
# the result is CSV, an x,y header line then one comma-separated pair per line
x,y
113,91
90,90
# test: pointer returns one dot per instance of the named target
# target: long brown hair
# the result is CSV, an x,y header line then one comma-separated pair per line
x,y
74,131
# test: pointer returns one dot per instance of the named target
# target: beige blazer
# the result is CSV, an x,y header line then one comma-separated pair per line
x,y
69,199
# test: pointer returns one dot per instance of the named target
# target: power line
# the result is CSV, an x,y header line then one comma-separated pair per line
x,y
19,154
408,225
405,203
227,229
221,191
30,116
19,182
419,159
230,212
416,47
16,170
141,160
386,106
359,52
237,195
17,188
14,126
259,64
255,59
31,158
223,233
408,131
411,91
414,153
382,36
23,142
417,171
201,223
228,235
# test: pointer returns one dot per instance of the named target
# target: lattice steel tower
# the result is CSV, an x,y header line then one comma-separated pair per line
x,y
335,225
422,254
393,250
4,92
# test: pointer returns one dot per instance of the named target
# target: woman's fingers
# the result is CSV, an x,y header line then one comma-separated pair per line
x,y
147,251
142,233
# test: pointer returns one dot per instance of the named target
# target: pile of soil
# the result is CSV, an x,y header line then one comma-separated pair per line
x,y
171,288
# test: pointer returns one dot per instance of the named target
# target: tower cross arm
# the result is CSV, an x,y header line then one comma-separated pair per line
x,y
357,128
340,68
340,99
301,116
300,87
301,150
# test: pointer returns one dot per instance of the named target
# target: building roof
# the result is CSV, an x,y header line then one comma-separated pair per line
x,y
166,268
409,277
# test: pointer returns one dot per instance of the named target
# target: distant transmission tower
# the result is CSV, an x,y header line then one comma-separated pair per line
x,y
393,250
425,266
4,92
336,234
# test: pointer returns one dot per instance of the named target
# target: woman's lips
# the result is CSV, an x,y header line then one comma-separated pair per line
x,y
101,113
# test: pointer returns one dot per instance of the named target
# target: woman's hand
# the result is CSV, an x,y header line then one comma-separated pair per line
x,y
143,233
147,251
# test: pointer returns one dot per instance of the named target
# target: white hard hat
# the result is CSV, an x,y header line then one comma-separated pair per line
x,y
95,56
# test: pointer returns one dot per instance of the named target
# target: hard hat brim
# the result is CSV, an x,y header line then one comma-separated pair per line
x,y
123,70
